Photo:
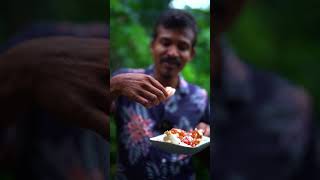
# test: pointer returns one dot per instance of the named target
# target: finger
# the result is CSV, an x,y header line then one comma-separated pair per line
x,y
152,98
141,100
152,89
93,91
204,127
74,110
97,120
200,126
101,100
159,86
206,130
134,95
91,117
208,133
102,122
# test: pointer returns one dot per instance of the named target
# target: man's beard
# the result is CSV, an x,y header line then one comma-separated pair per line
x,y
171,60
166,76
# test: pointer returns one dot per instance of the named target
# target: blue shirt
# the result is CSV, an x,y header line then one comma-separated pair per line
x,y
137,159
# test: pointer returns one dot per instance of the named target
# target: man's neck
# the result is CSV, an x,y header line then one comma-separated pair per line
x,y
173,82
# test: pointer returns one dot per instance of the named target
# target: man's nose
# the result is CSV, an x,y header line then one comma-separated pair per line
x,y
173,51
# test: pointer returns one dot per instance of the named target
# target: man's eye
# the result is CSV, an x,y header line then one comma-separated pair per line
x,y
183,47
165,42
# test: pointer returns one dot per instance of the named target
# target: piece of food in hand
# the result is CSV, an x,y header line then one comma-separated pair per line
x,y
181,137
170,91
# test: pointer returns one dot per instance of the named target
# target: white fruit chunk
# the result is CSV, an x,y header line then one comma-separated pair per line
x,y
171,138
170,90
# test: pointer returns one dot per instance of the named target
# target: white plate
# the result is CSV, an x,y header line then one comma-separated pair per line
x,y
158,142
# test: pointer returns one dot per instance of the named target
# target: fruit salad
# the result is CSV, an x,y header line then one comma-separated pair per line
x,y
178,136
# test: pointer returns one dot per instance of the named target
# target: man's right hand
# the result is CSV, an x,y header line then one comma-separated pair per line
x,y
141,88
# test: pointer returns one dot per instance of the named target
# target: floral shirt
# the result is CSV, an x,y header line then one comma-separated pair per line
x,y
137,159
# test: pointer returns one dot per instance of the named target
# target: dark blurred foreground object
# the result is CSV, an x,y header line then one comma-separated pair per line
x,y
62,93
263,125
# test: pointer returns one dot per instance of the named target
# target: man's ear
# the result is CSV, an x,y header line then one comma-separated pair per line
x,y
151,45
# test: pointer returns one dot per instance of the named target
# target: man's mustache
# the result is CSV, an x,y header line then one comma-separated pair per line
x,y
170,60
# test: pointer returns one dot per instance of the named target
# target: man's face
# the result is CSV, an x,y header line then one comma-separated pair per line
x,y
171,50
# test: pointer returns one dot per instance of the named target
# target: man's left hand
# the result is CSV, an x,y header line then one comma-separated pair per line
x,y
205,127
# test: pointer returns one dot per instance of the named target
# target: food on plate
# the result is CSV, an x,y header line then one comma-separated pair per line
x,y
178,136
181,142
170,91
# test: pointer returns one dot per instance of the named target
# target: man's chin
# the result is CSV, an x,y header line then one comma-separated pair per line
x,y
167,76
167,73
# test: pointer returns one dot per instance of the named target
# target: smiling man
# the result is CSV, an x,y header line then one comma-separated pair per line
x,y
172,47
171,51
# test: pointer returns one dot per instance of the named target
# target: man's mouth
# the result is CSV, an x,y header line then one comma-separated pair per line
x,y
169,61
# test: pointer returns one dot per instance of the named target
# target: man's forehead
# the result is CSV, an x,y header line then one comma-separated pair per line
x,y
184,34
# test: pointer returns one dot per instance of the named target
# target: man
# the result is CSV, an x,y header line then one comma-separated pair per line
x,y
54,90
262,123
172,47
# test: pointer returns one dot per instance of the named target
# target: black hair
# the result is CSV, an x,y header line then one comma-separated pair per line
x,y
176,19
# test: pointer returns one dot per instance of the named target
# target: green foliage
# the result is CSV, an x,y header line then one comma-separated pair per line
x,y
198,71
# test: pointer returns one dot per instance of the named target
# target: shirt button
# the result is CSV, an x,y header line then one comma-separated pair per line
x,y
163,160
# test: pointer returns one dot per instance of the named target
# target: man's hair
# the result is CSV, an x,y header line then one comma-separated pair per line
x,y
176,19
